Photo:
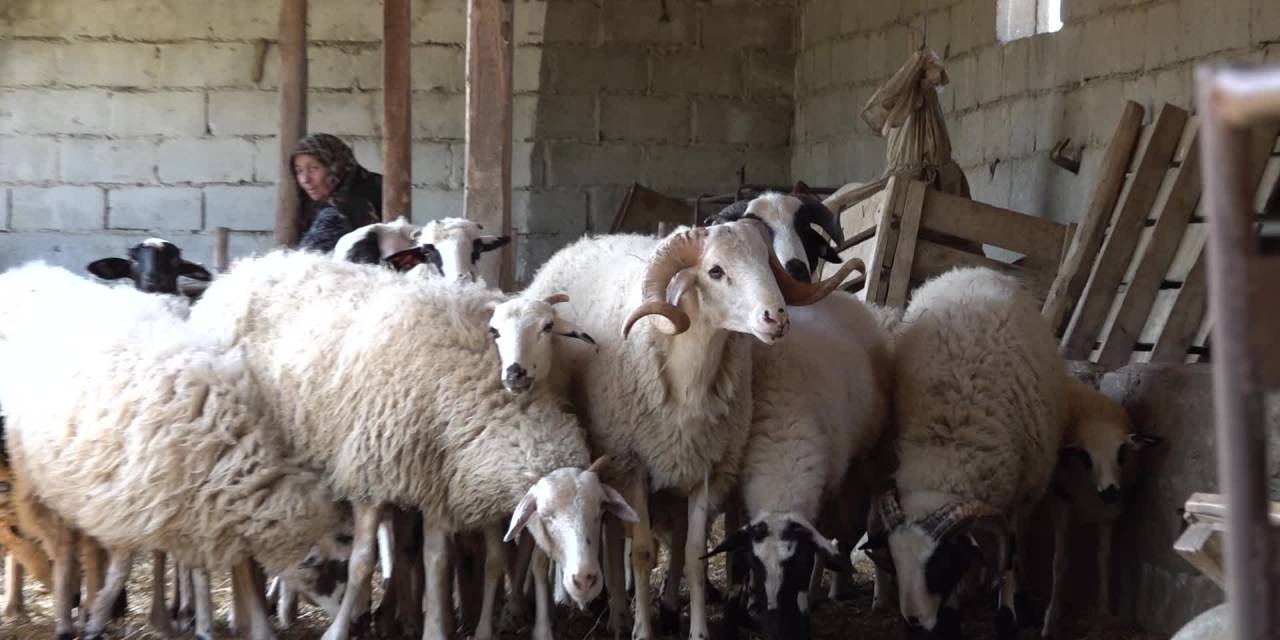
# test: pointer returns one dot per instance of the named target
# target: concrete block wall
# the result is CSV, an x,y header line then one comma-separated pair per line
x,y
135,117
1009,103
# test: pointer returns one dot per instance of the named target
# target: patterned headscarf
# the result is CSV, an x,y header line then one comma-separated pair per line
x,y
334,154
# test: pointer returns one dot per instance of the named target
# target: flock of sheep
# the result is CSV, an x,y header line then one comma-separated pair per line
x,y
317,415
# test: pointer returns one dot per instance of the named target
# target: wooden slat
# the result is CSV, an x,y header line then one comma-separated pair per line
x,y
908,233
1160,309
1162,196
1166,236
1074,271
1201,545
293,115
487,192
1188,250
1118,247
1210,508
1037,238
221,241
397,159
1144,138
933,259
861,216
1188,135
1264,340
886,241
1184,319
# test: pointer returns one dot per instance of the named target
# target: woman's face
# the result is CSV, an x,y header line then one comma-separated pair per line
x,y
312,176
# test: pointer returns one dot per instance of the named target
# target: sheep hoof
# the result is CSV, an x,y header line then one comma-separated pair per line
x,y
668,620
1006,624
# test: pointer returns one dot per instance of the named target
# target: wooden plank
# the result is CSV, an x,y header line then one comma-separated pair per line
x,y
1188,250
933,259
861,216
1201,546
293,115
1162,196
1144,138
1264,340
397,159
1184,319
1037,238
1154,263
1160,309
1188,135
908,233
886,241
487,192
1211,508
1074,272
1117,250
221,240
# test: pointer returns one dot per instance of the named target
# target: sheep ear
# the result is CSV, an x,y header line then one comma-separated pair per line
x,y
828,252
617,505
1141,441
489,243
877,541
520,517
111,268
567,329
312,560
194,271
405,260
732,542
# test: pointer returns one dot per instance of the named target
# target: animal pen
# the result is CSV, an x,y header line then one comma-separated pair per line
x,y
940,137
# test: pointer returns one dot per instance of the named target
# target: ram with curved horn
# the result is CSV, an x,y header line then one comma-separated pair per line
x,y
669,397
791,219
981,406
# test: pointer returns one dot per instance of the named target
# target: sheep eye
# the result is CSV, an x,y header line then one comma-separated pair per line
x,y
547,327
716,272
493,332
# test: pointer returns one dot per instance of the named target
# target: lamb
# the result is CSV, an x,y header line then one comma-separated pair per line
x,y
980,400
1087,483
671,405
378,377
820,402
461,245
102,370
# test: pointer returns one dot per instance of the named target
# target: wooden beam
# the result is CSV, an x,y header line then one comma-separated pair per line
x,y
1074,272
293,115
487,195
397,139
221,242
1037,238
886,240
904,255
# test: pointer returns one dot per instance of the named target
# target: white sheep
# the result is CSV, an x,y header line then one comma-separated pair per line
x,y
1088,484
461,246
980,403
671,405
386,383
820,402
125,427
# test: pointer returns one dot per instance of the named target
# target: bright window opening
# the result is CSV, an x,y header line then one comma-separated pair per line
x,y
1025,18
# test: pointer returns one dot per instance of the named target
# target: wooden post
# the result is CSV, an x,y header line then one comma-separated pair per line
x,y
397,139
293,114
487,198
221,240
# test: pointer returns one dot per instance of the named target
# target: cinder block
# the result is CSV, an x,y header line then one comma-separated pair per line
x,y
57,208
770,166
108,160
1050,120
1022,127
154,208
552,117
575,69
989,75
574,164
1163,35
1096,58
28,62
233,113
995,132
441,21
333,67
877,60
982,15
28,159
28,111
643,23
266,160
64,19
434,67
1265,21
431,164
1141,90
160,19
434,204
602,206
1175,87
244,20
964,81
1105,102
240,208
206,160
900,41
528,166
1041,63
747,27
343,114
645,119
161,113
542,22
339,20
772,73
561,211
439,116
736,122
1068,59
1129,39
108,64
686,170
206,64
529,69
697,72
821,76
1013,67
368,153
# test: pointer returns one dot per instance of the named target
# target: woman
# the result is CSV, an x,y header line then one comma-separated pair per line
x,y
338,195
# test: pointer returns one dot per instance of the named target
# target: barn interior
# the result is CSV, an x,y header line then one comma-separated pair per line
x,y
1065,142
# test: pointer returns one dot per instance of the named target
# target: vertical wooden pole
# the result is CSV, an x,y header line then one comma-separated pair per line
x,y
1238,406
293,114
221,241
487,198
397,140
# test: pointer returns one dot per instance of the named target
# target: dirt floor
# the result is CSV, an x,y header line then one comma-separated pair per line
x,y
831,620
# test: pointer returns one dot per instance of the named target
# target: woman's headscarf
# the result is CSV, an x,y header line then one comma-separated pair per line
x,y
355,196
335,155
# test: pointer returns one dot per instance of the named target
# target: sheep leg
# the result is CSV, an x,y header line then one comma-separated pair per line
x,y
1054,610
31,558
359,570
614,580
249,600
695,568
286,605
411,578
641,557
468,567
202,600
100,608
66,584
494,567
1006,619
159,615
13,603
185,600
437,599
516,609
542,600
669,603
626,566
1104,568
93,569
387,549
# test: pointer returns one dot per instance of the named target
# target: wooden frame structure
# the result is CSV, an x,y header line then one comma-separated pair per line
x,y
489,61
1246,364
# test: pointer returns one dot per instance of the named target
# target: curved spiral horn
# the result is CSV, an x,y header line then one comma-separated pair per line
x,y
556,298
890,510
599,465
950,517
678,251
798,293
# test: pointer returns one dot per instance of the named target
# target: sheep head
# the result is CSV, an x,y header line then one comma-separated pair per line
x,y
459,243
790,220
525,331
153,264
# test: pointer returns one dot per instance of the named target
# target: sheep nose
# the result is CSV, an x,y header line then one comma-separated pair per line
x,y
585,581
1110,495
913,621
516,379
778,317
797,269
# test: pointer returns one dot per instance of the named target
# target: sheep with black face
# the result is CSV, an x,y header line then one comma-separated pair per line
x,y
154,265
790,220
